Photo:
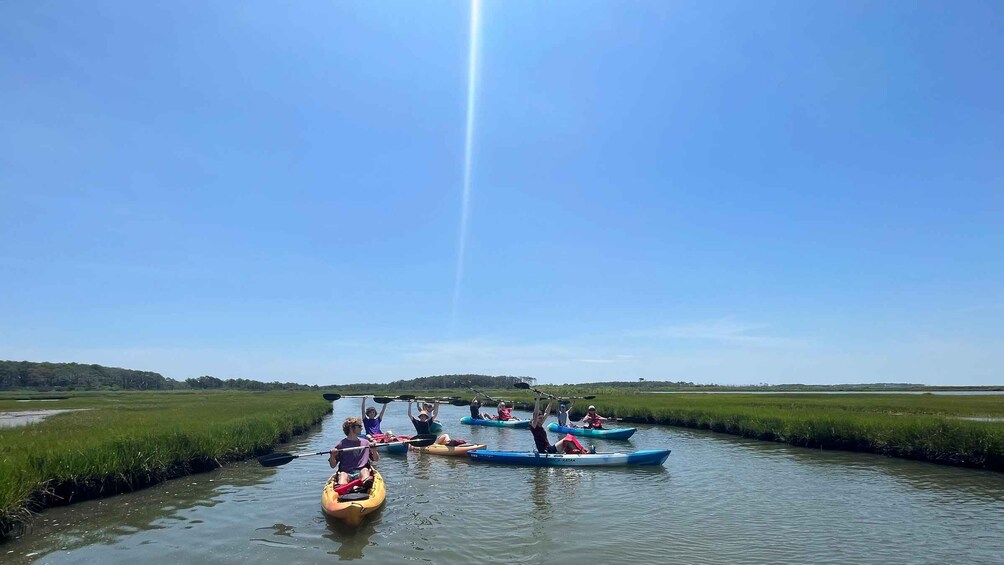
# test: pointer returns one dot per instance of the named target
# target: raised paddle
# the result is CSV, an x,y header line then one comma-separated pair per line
x,y
276,459
525,386
331,396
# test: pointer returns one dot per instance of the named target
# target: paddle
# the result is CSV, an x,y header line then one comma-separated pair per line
x,y
331,396
525,386
476,391
276,459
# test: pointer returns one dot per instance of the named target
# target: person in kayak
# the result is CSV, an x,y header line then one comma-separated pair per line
x,y
476,409
568,444
371,422
423,424
505,413
593,420
356,464
563,410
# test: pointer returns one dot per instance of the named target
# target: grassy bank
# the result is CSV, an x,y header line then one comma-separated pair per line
x,y
926,427
123,441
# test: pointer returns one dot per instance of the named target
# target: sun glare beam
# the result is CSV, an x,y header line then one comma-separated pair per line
x,y
472,73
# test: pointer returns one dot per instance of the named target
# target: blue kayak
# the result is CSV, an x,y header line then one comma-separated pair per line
x,y
532,458
506,424
435,427
621,433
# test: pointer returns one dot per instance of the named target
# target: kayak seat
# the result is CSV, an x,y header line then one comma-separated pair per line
x,y
353,496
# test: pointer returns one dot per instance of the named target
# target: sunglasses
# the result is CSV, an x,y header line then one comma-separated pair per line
x,y
356,426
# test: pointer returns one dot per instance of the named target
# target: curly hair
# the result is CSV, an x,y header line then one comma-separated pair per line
x,y
349,422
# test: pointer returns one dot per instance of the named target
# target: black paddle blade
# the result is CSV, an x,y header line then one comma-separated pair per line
x,y
406,397
523,386
275,459
588,397
459,402
331,396
423,440
382,399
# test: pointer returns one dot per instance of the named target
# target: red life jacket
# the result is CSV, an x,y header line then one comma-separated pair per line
x,y
594,421
505,414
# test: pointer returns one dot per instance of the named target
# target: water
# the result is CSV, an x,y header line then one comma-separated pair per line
x,y
718,499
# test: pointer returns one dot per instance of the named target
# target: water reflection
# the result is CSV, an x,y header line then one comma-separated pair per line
x,y
352,540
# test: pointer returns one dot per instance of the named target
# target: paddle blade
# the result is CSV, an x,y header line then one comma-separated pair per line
x,y
423,440
588,397
275,459
459,402
331,396
406,397
382,399
523,386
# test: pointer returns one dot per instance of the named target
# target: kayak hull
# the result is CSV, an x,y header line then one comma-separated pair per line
x,y
617,433
495,423
534,459
353,512
436,427
392,445
450,450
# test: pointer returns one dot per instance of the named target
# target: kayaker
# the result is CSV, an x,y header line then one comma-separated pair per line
x,y
423,424
563,410
505,413
476,409
371,422
568,444
593,420
356,464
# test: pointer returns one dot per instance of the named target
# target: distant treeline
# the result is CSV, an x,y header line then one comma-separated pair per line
x,y
27,375
439,382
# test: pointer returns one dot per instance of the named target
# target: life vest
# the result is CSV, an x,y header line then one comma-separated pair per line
x,y
593,421
505,414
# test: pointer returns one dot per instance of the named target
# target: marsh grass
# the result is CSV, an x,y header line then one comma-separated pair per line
x,y
125,441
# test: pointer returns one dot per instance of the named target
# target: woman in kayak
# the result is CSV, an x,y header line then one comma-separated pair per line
x,y
563,411
505,413
593,420
371,422
423,424
568,444
356,464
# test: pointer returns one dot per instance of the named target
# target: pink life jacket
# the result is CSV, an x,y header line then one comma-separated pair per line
x,y
593,420
505,414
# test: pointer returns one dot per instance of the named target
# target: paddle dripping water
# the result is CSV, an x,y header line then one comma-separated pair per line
x,y
716,499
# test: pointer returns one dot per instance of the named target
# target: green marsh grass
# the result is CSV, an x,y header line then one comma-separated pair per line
x,y
122,441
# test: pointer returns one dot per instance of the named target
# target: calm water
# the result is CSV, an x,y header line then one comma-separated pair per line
x,y
718,499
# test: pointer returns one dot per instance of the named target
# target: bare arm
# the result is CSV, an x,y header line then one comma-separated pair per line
x,y
435,411
409,411
382,410
364,408
536,412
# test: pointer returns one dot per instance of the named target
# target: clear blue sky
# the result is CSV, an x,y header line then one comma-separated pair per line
x,y
727,192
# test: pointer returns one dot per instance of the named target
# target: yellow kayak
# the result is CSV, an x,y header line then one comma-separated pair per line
x,y
352,508
452,450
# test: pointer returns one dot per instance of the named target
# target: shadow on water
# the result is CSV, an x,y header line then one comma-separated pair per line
x,y
352,540
161,506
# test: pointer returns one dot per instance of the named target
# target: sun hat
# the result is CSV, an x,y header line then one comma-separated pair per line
x,y
423,413
591,407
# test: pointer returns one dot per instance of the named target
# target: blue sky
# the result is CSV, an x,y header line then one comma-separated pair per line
x,y
718,192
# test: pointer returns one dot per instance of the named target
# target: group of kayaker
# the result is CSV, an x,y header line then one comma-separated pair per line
x,y
357,464
504,412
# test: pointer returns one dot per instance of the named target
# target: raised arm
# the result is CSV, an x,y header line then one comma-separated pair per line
x,y
364,407
548,409
536,411
435,411
382,410
410,417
